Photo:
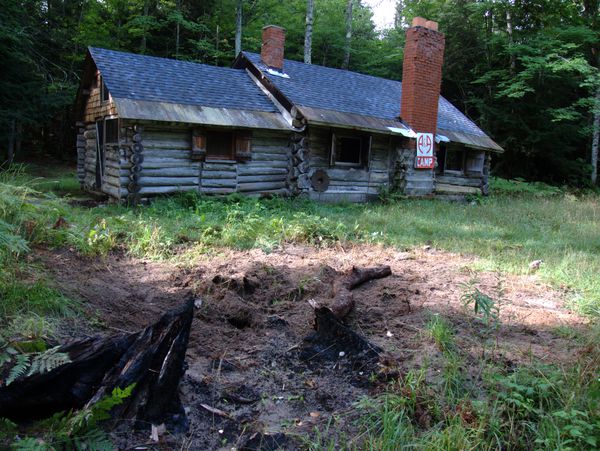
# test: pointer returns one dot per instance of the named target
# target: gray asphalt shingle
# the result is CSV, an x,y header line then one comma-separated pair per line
x,y
142,77
350,92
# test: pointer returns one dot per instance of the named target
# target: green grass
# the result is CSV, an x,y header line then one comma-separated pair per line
x,y
532,407
525,222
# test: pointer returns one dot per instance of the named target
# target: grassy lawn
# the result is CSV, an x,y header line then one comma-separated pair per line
x,y
506,231
546,407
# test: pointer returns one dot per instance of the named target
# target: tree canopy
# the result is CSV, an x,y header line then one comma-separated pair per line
x,y
527,71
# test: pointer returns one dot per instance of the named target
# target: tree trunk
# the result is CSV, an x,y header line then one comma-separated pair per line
x,y
145,14
310,7
12,135
346,62
595,138
238,27
18,138
177,29
511,41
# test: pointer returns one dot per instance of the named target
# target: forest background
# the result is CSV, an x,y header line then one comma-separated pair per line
x,y
527,71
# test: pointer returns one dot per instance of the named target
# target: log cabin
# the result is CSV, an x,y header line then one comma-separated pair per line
x,y
269,125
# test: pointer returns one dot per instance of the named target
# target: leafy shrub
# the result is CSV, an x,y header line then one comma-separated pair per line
x,y
521,187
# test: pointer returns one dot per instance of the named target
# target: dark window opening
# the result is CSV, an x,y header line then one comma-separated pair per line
x,y
219,146
100,161
455,160
350,150
104,91
111,131
441,159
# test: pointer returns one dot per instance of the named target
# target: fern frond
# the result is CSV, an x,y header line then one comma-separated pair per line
x,y
23,362
48,361
94,440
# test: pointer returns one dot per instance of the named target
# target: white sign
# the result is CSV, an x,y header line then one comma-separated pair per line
x,y
425,158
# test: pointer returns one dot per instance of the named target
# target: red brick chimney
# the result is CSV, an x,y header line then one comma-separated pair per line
x,y
422,75
273,43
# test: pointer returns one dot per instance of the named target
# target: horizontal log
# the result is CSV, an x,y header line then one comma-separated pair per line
x,y
454,189
271,192
116,171
218,174
260,186
167,153
342,184
155,163
461,181
262,178
116,181
210,166
158,140
111,190
270,149
167,181
249,169
211,190
269,157
184,171
218,183
265,164
166,189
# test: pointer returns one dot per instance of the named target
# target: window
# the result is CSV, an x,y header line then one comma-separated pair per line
x,y
458,160
221,145
455,160
111,130
350,150
104,94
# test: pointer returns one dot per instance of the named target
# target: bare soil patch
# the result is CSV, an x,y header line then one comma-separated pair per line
x,y
246,356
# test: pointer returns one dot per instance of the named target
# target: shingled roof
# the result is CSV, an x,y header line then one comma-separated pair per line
x,y
152,88
142,77
319,88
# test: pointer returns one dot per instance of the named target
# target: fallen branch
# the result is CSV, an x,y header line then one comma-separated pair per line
x,y
343,300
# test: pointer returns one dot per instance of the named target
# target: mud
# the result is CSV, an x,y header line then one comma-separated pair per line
x,y
248,356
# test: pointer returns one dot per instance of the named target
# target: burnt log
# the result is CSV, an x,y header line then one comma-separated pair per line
x,y
333,341
343,300
152,359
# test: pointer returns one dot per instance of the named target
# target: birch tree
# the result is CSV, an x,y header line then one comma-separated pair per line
x,y
349,7
310,7
238,27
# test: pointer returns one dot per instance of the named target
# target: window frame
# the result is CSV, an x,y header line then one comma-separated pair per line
x,y
241,141
364,152
104,92
468,154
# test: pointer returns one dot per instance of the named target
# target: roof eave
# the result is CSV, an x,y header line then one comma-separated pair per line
x,y
476,141
195,114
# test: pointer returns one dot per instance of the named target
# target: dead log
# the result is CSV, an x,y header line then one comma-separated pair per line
x,y
153,359
343,300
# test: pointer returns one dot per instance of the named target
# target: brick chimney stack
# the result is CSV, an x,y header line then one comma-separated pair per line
x,y
273,44
422,75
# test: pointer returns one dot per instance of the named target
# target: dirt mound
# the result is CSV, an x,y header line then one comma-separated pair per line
x,y
251,369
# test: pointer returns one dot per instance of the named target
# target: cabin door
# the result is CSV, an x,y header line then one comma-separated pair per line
x,y
100,160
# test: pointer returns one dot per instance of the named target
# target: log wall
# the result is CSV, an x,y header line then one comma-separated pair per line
x,y
406,179
347,183
167,166
469,182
